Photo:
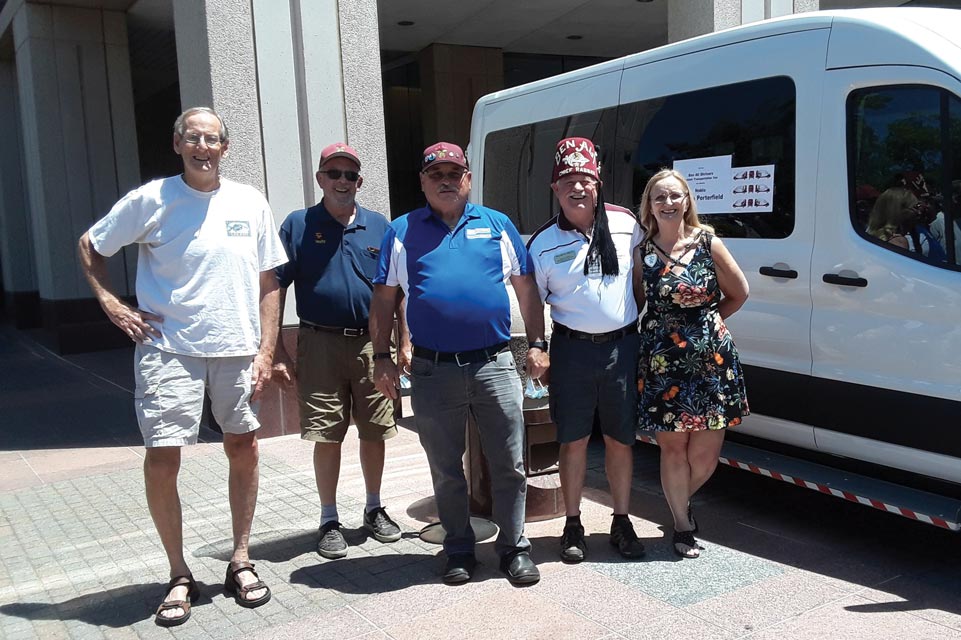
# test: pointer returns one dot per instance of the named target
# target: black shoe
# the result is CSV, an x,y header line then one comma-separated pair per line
x,y
520,569
459,568
381,526
332,544
690,549
624,538
573,545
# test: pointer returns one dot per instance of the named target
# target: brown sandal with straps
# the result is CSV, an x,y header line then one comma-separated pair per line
x,y
233,586
193,593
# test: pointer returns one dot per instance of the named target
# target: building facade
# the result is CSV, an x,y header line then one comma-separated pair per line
x,y
89,90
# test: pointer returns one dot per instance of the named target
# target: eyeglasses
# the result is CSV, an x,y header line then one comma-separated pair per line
x,y
450,176
335,174
212,140
670,197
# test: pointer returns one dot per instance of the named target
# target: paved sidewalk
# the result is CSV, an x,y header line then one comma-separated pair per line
x,y
79,557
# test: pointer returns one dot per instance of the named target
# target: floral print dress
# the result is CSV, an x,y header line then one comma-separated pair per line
x,y
689,375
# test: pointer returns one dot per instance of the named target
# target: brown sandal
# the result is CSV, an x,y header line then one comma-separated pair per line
x,y
232,586
193,593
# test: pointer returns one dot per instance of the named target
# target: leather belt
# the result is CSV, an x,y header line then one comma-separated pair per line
x,y
344,331
596,338
461,358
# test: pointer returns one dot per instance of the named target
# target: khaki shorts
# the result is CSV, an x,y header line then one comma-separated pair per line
x,y
169,395
333,382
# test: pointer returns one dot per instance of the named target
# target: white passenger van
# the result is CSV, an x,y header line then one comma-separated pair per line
x,y
851,344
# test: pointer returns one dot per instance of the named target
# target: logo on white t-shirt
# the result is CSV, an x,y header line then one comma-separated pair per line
x,y
238,228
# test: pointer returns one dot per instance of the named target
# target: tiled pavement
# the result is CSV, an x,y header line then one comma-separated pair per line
x,y
79,557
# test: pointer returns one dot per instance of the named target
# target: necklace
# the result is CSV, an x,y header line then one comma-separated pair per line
x,y
676,262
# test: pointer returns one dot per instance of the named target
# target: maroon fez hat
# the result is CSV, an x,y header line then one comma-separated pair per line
x,y
575,155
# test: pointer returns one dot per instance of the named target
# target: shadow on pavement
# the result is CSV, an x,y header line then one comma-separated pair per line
x,y
114,608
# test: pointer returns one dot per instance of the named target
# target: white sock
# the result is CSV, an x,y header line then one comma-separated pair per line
x,y
328,513
373,502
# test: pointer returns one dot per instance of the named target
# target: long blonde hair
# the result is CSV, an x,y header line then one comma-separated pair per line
x,y
649,222
892,214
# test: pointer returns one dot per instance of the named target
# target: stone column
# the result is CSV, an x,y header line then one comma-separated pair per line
x,y
76,115
16,252
218,69
452,78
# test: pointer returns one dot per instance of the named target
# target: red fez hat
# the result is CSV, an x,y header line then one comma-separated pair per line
x,y
575,155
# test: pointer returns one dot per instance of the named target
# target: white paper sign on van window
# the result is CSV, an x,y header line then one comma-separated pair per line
x,y
710,181
753,189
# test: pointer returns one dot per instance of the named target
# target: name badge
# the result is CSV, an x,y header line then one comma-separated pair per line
x,y
567,256
238,228
478,233
650,259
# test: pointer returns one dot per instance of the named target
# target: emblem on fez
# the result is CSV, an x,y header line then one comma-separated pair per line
x,y
443,153
341,149
576,160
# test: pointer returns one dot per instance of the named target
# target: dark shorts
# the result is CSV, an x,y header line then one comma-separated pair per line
x,y
587,377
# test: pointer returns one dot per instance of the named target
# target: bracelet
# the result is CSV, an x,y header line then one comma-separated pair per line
x,y
538,344
383,355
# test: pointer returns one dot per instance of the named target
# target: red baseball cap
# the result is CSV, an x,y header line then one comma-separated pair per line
x,y
575,155
339,150
443,152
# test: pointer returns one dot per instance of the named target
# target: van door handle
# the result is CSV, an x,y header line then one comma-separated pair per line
x,y
833,278
774,272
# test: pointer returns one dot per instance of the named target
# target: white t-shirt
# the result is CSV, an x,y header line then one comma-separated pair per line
x,y
590,303
199,264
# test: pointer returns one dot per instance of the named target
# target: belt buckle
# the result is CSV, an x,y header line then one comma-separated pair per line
x,y
353,333
598,338
457,359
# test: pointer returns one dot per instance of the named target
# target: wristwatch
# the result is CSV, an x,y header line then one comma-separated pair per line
x,y
382,355
537,344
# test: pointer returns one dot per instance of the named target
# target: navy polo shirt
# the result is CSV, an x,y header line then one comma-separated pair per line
x,y
455,280
331,265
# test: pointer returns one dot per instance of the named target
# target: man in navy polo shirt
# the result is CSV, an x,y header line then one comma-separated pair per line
x,y
333,248
454,261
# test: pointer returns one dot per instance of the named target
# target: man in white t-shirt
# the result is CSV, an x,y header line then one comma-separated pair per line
x,y
583,264
206,321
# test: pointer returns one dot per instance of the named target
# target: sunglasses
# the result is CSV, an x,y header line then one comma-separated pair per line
x,y
335,174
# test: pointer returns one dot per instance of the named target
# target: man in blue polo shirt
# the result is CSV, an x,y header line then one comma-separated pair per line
x,y
333,249
454,260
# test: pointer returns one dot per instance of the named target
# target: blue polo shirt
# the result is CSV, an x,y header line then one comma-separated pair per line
x,y
331,265
455,280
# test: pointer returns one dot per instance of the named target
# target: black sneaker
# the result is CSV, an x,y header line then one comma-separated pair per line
x,y
381,526
332,544
573,545
624,538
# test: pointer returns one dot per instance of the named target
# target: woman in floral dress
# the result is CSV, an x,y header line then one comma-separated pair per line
x,y
690,383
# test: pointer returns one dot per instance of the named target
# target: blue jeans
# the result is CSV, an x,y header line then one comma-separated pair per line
x,y
442,396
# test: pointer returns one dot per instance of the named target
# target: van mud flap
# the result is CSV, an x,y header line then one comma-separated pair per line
x,y
917,505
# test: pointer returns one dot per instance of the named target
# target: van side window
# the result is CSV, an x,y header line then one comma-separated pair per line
x,y
752,122
904,163
518,163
